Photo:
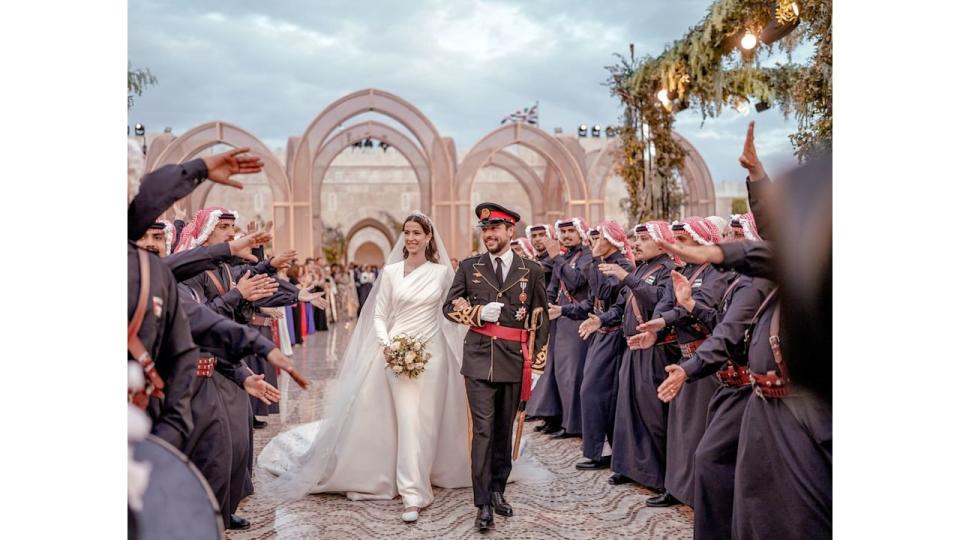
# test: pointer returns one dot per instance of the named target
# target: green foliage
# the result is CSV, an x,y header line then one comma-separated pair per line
x,y
334,245
707,70
137,81
739,206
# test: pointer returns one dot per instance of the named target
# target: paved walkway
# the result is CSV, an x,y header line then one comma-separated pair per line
x,y
576,504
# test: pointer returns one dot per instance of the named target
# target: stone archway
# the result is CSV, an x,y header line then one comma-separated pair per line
x,y
436,149
554,153
531,183
371,223
204,136
696,179
372,130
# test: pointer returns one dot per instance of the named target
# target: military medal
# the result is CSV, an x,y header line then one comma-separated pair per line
x,y
523,289
522,313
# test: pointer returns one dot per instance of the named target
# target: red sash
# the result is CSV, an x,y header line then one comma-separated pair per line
x,y
516,335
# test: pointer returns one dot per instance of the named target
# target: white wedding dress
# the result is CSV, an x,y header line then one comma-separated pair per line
x,y
386,435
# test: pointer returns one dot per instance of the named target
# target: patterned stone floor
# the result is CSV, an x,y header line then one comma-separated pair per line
x,y
575,504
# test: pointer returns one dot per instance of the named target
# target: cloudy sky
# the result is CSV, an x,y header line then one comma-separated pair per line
x,y
270,67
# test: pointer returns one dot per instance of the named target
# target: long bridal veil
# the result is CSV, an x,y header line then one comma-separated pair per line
x,y
361,355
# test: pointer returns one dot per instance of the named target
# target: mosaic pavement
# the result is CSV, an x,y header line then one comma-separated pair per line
x,y
575,504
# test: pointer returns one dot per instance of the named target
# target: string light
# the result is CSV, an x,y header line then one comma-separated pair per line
x,y
742,107
663,96
748,41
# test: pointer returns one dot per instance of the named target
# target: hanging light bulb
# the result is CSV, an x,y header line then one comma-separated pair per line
x,y
742,107
748,41
663,96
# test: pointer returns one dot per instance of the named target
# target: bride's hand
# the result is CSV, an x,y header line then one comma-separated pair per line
x,y
460,304
386,355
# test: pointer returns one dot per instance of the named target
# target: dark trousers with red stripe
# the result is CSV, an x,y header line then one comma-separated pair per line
x,y
493,407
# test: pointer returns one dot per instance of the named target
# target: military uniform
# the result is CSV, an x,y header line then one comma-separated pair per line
x,y
640,427
598,393
493,359
568,354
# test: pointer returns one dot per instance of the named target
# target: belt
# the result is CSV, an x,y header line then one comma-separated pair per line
x,y
687,349
770,385
733,375
260,320
609,329
205,366
521,335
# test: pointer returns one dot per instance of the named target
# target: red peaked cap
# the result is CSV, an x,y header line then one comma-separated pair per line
x,y
492,214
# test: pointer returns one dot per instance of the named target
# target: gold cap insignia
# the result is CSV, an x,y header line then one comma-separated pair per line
x,y
484,213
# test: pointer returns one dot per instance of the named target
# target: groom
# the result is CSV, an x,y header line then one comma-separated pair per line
x,y
496,294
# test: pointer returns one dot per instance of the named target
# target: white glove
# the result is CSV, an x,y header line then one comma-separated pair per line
x,y
491,312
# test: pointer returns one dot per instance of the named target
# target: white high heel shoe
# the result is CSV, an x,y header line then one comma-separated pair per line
x,y
411,514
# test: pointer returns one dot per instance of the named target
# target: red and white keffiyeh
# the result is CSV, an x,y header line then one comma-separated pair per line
x,y
199,230
660,230
169,231
747,224
614,233
526,246
578,224
545,226
700,230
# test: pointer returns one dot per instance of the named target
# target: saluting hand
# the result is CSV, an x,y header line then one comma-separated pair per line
x,y
749,159
652,326
261,389
256,287
682,290
589,326
243,247
669,388
614,270
220,167
553,247
693,254
279,360
283,260
643,340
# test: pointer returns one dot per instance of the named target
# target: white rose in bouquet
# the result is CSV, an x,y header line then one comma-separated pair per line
x,y
409,358
397,369
395,346
417,346
418,365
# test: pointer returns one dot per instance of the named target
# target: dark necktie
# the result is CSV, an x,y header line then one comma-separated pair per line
x,y
499,272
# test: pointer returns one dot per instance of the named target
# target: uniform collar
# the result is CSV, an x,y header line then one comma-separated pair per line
x,y
507,259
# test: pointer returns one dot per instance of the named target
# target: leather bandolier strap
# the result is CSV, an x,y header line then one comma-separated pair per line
x,y
154,384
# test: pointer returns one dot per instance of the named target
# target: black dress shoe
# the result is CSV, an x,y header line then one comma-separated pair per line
x,y
484,517
259,424
501,506
550,429
663,500
618,479
562,434
237,523
594,464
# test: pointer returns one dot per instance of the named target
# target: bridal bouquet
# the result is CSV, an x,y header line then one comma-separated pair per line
x,y
407,355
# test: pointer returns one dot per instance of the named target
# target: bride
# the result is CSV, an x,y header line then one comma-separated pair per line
x,y
385,435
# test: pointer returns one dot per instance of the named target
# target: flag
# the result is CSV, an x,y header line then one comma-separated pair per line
x,y
529,115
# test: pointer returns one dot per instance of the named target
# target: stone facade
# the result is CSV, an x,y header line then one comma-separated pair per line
x,y
370,182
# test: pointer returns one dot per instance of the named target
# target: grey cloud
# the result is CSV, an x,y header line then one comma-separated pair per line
x,y
271,67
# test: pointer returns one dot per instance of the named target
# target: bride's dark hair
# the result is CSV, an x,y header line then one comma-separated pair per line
x,y
427,227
